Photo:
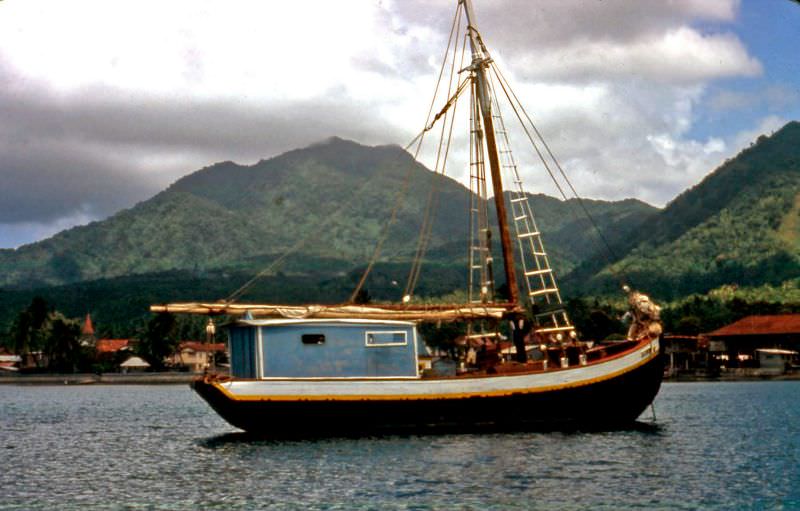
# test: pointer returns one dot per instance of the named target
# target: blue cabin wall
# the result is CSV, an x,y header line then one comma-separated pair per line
x,y
345,353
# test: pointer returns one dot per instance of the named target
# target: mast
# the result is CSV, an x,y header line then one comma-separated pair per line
x,y
480,61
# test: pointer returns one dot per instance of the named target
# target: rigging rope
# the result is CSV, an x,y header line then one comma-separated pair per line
x,y
400,197
479,233
611,256
454,29
398,202
313,235
433,197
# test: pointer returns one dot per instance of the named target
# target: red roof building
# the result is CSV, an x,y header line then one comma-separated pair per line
x,y
112,345
738,343
779,324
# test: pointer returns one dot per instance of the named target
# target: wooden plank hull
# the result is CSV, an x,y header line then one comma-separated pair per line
x,y
564,399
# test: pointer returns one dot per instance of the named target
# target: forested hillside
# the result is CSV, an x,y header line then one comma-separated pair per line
x,y
212,230
740,225
330,200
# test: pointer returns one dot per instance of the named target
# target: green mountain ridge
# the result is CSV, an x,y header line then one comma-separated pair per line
x,y
209,232
333,197
740,226
227,214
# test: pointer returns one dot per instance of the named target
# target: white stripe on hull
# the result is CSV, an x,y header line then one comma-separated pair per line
x,y
439,388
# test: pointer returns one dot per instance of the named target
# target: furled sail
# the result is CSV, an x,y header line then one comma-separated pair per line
x,y
384,312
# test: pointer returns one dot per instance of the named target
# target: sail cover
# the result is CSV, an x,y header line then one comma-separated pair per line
x,y
344,311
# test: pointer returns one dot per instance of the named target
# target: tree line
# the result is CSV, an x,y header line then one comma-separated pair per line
x,y
48,341
54,342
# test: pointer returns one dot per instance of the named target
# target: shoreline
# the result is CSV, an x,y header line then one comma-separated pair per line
x,y
700,378
101,379
172,378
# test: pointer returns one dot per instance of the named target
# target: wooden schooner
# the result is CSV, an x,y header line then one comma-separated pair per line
x,y
355,368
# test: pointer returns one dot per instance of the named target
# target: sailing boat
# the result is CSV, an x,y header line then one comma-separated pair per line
x,y
353,368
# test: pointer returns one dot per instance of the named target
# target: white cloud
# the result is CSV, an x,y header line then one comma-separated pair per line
x,y
679,55
259,52
143,92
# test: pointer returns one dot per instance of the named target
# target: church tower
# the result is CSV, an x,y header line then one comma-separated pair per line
x,y
88,337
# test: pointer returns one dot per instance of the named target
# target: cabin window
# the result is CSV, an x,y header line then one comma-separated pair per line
x,y
386,338
313,338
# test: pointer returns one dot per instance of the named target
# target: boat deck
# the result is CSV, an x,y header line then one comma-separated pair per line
x,y
597,354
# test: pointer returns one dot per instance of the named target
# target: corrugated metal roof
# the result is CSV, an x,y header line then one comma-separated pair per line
x,y
761,325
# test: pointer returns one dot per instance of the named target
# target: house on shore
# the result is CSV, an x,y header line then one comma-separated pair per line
x,y
134,365
9,362
685,355
112,352
754,346
197,356
112,346
757,345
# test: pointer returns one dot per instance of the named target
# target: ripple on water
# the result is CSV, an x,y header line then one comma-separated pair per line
x,y
715,446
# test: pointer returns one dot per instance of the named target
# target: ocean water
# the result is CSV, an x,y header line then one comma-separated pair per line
x,y
713,446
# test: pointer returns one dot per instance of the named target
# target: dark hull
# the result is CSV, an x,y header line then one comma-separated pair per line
x,y
610,404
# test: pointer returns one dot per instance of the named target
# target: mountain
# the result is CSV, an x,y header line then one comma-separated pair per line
x,y
740,225
339,193
328,201
570,238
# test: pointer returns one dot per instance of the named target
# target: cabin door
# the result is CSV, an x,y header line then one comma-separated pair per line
x,y
243,352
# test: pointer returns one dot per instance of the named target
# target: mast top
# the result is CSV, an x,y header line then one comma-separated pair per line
x,y
479,52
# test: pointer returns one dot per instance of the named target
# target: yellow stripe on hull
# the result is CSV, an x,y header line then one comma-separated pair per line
x,y
646,356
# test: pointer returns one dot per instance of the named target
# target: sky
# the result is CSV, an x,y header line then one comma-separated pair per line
x,y
103,104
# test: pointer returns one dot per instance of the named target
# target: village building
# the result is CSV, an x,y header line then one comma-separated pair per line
x,y
112,346
685,355
197,356
768,344
9,362
111,352
134,365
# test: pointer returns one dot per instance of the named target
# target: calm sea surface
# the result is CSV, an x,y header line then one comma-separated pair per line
x,y
715,446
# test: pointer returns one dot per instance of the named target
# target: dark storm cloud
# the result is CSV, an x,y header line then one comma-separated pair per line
x,y
102,150
45,181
